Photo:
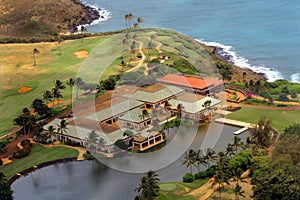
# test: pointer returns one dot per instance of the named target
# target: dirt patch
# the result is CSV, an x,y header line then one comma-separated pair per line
x,y
24,89
81,54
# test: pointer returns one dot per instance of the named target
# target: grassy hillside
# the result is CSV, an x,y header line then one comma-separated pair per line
x,y
40,18
17,70
38,155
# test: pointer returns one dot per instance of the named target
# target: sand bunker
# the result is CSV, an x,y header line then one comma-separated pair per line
x,y
24,89
81,54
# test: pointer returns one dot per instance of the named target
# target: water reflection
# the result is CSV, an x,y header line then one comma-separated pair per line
x,y
93,180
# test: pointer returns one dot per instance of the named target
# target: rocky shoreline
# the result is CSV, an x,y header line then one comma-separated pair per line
x,y
221,53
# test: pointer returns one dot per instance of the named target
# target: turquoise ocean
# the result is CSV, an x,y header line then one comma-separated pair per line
x,y
263,35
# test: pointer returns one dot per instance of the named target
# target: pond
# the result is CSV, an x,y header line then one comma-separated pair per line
x,y
94,180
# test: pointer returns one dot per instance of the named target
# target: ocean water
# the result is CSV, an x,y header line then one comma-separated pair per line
x,y
262,35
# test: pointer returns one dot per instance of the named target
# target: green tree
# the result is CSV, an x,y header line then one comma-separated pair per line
x,y
51,130
210,156
47,96
190,159
71,84
92,141
148,189
34,52
41,108
261,133
229,150
200,159
26,120
62,127
6,193
121,144
56,93
139,20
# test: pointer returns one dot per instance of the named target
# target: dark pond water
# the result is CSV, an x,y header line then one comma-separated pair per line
x,y
92,180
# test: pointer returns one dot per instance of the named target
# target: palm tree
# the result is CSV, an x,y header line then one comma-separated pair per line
x,y
35,51
129,18
179,110
51,130
139,20
237,177
59,85
220,179
62,127
261,134
237,143
78,83
6,193
145,114
200,159
229,150
92,141
148,189
47,96
56,95
71,84
190,159
59,40
210,156
101,143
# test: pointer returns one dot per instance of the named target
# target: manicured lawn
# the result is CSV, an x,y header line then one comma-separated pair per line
x,y
38,154
18,71
279,118
179,190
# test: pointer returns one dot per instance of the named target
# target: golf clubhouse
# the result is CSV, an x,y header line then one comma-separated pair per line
x,y
130,108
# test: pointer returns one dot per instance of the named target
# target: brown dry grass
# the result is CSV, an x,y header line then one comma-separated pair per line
x,y
17,62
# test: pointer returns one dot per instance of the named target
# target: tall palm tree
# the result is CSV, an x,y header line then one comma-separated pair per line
x,y
190,159
129,18
229,150
139,20
71,84
200,159
59,40
148,189
237,143
35,51
59,85
92,141
51,130
236,174
220,179
261,134
78,83
56,95
62,127
47,96
210,156
179,110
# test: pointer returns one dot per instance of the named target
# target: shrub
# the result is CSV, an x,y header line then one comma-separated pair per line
x,y
88,156
188,178
210,172
26,143
21,153
200,175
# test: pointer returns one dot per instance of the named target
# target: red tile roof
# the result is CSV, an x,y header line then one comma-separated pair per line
x,y
189,81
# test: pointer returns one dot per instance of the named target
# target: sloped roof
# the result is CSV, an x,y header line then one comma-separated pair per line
x,y
189,81
135,116
164,92
115,109
193,107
